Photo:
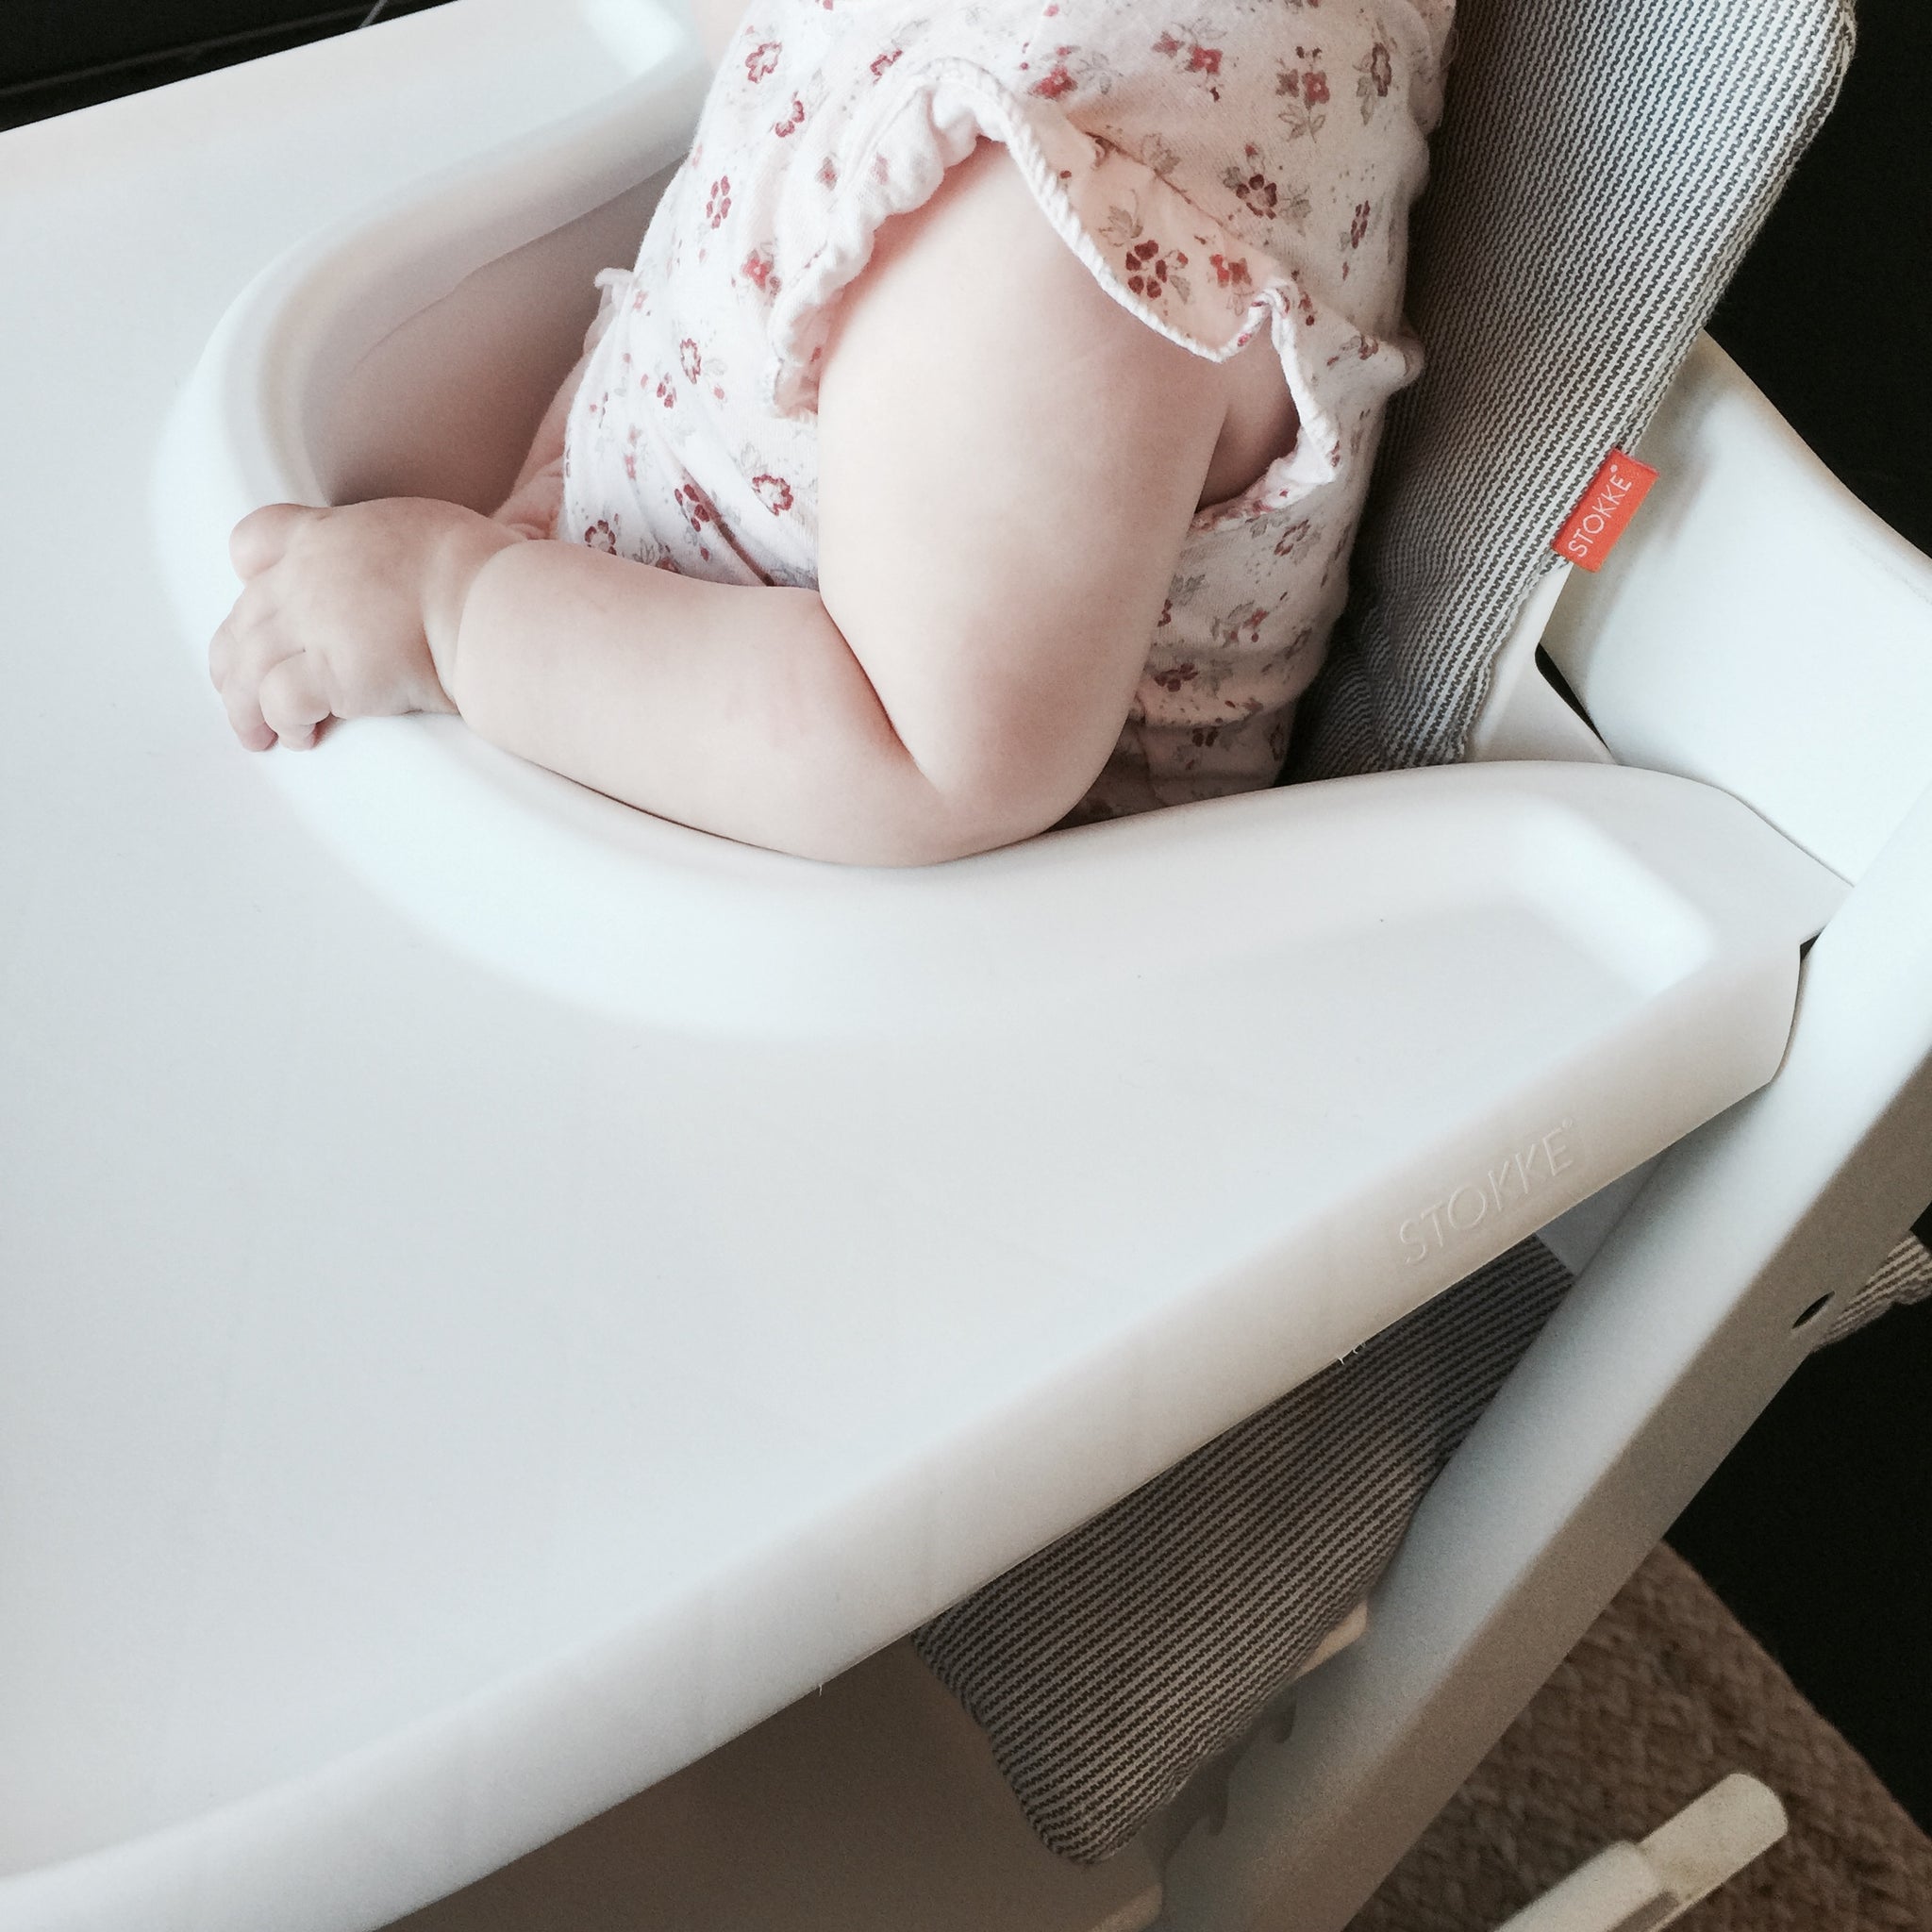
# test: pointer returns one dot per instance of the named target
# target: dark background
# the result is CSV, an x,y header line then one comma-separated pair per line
x,y
1818,1530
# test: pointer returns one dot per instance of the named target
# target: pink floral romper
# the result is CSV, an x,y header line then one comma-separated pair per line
x,y
1241,165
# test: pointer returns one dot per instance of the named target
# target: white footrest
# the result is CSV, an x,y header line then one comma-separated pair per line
x,y
1642,1887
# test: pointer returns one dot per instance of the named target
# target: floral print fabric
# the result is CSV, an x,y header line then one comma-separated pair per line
x,y
1247,165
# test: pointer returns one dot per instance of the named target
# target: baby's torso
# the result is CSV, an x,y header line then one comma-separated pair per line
x,y
1248,171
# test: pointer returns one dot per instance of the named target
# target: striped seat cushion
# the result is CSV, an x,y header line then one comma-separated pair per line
x,y
1109,1666
1905,1278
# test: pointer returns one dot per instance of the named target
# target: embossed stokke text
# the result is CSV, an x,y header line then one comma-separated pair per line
x,y
1523,1171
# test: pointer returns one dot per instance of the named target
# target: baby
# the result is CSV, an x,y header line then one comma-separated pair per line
x,y
977,443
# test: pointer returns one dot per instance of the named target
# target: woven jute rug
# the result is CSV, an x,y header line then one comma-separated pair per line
x,y
1663,1696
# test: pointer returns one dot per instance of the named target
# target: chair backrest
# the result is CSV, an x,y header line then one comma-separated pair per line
x,y
1599,173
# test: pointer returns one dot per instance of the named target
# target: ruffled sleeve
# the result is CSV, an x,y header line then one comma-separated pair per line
x,y
1152,150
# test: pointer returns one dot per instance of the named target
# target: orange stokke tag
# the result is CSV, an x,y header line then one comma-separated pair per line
x,y
1606,509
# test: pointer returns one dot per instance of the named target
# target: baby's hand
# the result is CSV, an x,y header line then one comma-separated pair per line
x,y
345,613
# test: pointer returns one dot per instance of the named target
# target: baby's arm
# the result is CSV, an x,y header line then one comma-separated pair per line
x,y
1009,464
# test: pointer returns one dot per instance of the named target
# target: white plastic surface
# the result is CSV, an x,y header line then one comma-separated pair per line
x,y
1522,715
474,1345
1756,627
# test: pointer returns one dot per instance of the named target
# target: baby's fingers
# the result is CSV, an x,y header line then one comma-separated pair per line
x,y
240,656
292,701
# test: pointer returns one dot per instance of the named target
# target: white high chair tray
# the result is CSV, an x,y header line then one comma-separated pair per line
x,y
467,1354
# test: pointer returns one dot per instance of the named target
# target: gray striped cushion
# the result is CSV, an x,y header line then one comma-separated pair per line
x,y
1600,171
1109,1666
1907,1276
